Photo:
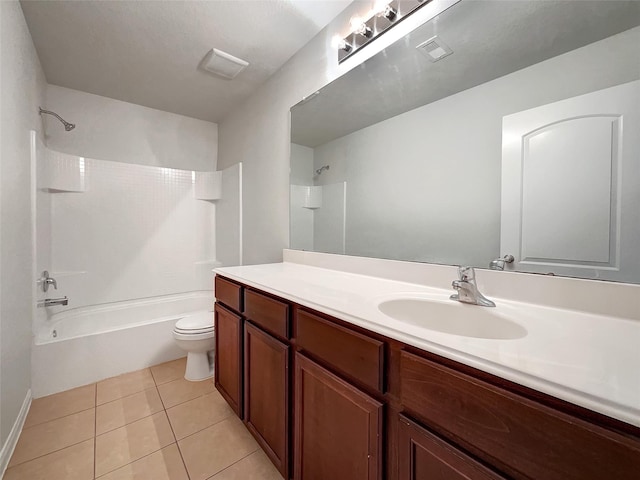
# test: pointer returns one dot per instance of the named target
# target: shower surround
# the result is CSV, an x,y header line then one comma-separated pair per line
x,y
112,232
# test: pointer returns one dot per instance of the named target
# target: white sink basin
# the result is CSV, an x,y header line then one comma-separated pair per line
x,y
453,317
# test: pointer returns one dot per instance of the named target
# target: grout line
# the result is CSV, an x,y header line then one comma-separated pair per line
x,y
169,422
146,455
134,421
186,401
154,413
154,377
184,464
161,399
229,466
231,413
137,459
183,461
126,396
49,453
57,418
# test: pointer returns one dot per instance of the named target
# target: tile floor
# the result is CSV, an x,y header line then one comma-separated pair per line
x,y
146,425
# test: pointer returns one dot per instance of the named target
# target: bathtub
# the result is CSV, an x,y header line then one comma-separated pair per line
x,y
88,344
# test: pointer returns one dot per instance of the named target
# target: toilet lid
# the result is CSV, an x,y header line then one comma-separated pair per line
x,y
199,323
193,332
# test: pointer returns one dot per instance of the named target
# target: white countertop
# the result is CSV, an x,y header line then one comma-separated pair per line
x,y
587,359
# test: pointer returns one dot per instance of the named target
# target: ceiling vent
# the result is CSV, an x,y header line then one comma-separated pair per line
x,y
434,49
223,64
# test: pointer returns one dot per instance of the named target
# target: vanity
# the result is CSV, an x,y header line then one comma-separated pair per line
x,y
332,388
513,146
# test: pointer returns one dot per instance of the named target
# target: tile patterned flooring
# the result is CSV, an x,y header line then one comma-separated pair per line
x,y
146,425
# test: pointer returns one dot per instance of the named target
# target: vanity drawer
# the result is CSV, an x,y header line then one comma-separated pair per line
x,y
269,313
356,355
228,293
521,437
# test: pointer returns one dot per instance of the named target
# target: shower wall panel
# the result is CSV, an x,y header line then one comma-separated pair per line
x,y
137,231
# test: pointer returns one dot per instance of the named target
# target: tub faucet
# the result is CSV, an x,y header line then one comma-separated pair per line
x,y
50,302
499,263
468,290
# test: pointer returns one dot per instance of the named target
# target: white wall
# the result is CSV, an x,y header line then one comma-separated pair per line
x,y
257,133
229,218
124,132
23,88
433,193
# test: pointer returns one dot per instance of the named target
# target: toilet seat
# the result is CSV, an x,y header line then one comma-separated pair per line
x,y
193,332
194,324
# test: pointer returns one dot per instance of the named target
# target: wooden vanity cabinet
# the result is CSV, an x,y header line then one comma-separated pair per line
x,y
228,356
517,435
267,375
330,400
252,360
338,428
266,394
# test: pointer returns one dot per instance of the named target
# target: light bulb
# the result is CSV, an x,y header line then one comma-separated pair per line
x,y
382,8
359,27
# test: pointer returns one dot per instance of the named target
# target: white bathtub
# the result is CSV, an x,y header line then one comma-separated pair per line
x,y
88,344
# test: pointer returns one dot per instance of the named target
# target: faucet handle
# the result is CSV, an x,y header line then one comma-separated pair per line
x,y
46,280
466,273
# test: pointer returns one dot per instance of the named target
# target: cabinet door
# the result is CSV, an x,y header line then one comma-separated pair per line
x,y
338,428
266,394
228,357
424,456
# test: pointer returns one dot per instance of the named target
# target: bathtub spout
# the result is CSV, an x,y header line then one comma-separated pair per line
x,y
50,302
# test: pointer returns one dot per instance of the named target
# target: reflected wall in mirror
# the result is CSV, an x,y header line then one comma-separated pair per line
x,y
524,141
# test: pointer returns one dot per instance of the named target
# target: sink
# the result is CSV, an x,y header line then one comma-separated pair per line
x,y
453,317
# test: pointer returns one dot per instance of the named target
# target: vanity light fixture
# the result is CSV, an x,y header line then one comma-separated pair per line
x,y
384,15
384,9
340,44
359,27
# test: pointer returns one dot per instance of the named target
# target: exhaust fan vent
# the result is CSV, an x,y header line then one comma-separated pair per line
x,y
223,64
434,49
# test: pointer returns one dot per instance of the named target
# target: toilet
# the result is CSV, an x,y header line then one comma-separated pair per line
x,y
195,335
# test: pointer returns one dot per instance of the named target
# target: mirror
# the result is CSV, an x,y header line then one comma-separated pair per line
x,y
497,128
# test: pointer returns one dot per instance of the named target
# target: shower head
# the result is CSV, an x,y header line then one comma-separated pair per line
x,y
321,169
67,126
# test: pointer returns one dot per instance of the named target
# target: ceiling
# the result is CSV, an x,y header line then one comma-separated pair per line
x,y
489,39
148,52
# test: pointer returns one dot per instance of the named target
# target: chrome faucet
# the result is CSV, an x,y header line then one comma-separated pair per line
x,y
46,280
499,263
50,302
468,290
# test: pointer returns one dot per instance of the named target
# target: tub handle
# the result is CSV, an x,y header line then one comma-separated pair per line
x,y
46,280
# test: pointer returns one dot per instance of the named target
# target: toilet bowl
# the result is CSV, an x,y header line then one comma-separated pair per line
x,y
195,335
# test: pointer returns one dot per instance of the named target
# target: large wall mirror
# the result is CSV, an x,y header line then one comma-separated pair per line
x,y
497,128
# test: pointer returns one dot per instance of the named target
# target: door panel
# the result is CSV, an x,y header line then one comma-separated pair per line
x,y
338,428
266,394
424,456
228,357
570,183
